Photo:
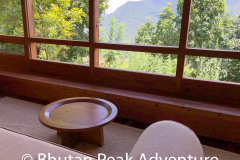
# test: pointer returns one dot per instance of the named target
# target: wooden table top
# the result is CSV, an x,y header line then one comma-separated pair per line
x,y
78,114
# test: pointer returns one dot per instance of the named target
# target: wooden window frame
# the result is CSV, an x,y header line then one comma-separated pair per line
x,y
146,82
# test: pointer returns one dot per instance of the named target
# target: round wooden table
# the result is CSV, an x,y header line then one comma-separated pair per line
x,y
79,119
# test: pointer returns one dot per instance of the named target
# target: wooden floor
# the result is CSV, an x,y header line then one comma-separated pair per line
x,y
228,146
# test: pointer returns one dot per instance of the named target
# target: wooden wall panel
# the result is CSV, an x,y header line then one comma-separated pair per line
x,y
137,81
13,62
221,92
67,70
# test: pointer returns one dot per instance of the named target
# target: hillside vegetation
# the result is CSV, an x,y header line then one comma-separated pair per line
x,y
133,14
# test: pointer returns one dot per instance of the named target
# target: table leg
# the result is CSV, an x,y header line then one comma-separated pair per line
x,y
94,136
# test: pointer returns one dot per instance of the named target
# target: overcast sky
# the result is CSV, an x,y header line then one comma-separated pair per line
x,y
115,4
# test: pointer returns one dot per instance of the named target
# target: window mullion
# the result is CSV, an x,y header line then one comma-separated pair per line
x,y
183,42
29,29
93,33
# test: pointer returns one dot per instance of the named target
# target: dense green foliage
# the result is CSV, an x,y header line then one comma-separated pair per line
x,y
11,24
63,19
211,27
59,19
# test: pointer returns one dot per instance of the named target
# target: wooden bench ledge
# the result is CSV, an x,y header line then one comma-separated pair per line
x,y
206,119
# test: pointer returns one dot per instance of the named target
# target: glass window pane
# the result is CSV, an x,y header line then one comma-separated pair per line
x,y
11,48
61,19
11,17
138,61
219,69
63,53
148,22
215,25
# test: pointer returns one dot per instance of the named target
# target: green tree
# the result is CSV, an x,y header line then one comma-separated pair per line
x,y
60,19
156,64
146,33
64,19
211,27
11,18
164,33
167,34
114,34
11,24
232,66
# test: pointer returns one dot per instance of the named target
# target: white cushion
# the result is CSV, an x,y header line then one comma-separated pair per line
x,y
168,139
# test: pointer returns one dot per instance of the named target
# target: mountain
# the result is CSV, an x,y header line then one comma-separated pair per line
x,y
134,14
